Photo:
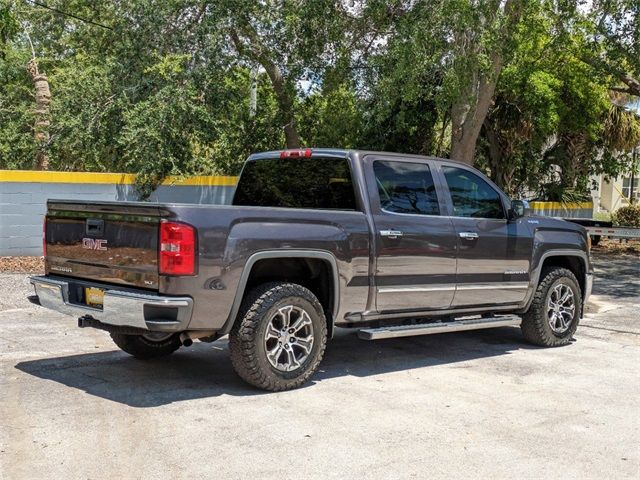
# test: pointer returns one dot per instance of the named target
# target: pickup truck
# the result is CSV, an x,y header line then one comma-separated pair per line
x,y
390,244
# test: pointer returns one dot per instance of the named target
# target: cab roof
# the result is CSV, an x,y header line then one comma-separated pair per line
x,y
339,153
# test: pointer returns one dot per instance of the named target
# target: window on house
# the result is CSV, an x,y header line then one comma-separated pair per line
x,y
626,188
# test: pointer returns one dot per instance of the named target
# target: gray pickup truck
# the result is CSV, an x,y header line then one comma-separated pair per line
x,y
390,244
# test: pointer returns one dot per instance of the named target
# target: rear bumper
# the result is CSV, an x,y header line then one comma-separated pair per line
x,y
120,308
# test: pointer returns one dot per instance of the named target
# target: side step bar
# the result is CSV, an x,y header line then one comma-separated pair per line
x,y
465,323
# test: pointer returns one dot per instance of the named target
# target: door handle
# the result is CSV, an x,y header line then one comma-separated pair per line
x,y
468,235
391,233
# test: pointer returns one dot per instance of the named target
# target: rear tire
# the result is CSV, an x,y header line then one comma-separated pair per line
x,y
279,338
145,347
554,313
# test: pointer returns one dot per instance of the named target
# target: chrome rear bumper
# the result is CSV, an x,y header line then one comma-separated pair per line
x,y
120,308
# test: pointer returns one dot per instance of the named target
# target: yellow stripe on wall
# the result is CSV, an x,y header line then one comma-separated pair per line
x,y
36,176
203,180
559,205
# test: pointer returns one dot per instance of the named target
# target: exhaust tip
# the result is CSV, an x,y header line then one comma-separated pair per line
x,y
186,340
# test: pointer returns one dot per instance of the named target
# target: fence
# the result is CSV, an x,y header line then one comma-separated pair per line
x,y
23,197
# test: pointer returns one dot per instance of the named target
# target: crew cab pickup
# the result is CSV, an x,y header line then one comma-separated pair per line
x,y
390,244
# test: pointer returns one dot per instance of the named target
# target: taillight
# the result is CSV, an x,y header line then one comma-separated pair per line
x,y
177,249
300,153
44,236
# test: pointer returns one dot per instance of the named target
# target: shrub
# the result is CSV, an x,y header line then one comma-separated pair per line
x,y
628,216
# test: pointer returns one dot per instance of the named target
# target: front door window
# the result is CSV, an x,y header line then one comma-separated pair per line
x,y
471,195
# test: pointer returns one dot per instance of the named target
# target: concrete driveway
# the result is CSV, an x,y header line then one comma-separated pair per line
x,y
461,405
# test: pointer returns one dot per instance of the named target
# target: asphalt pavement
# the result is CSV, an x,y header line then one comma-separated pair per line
x,y
461,405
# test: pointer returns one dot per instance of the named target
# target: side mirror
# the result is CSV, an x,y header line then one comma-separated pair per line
x,y
518,209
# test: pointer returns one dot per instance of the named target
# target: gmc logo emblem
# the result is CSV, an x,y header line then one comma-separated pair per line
x,y
94,244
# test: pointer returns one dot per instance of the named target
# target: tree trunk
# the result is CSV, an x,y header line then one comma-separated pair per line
x,y
257,52
502,171
469,112
472,106
41,126
285,104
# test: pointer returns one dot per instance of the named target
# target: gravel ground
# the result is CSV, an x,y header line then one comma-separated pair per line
x,y
464,405
21,264
614,246
14,288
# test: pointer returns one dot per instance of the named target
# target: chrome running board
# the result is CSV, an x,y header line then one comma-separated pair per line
x,y
465,323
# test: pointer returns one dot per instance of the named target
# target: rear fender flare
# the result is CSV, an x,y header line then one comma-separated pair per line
x,y
268,254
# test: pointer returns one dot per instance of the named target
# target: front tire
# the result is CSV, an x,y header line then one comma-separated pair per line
x,y
552,318
279,338
147,346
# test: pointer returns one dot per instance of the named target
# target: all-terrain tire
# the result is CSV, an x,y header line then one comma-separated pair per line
x,y
247,343
535,325
145,348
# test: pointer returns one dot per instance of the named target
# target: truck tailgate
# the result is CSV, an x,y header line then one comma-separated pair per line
x,y
104,241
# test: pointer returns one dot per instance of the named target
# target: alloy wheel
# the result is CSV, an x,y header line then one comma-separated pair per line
x,y
561,307
288,339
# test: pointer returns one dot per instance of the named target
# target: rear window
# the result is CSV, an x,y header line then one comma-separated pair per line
x,y
319,183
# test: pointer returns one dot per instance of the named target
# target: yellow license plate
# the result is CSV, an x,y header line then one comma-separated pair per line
x,y
93,296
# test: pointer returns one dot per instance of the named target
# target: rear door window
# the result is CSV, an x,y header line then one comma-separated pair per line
x,y
316,183
406,187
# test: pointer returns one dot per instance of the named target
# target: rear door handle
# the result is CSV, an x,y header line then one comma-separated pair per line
x,y
468,235
391,233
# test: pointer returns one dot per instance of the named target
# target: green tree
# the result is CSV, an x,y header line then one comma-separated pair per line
x,y
289,40
533,128
614,26
164,87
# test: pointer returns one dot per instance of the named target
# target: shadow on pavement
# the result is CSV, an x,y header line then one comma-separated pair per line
x,y
618,277
204,370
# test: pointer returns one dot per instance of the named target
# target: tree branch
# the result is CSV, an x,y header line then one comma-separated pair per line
x,y
258,52
633,84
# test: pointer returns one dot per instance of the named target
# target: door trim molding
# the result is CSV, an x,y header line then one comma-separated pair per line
x,y
449,287
497,286
462,286
433,288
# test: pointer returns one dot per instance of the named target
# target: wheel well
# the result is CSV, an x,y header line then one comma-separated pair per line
x,y
574,264
313,273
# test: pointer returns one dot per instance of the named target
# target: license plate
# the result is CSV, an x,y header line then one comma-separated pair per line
x,y
94,297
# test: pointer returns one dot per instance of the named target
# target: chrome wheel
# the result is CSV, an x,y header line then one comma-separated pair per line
x,y
288,339
561,308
